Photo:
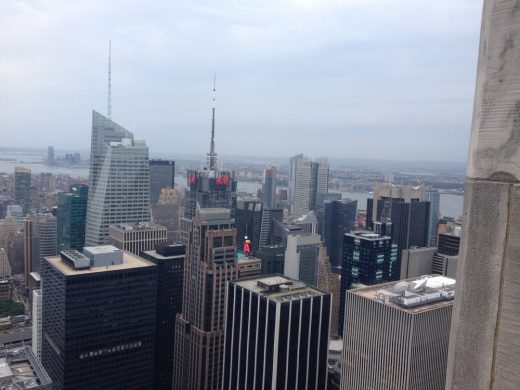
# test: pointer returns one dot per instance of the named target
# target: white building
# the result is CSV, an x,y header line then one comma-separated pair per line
x,y
37,324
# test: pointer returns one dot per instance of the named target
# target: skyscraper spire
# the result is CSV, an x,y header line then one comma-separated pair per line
x,y
212,155
109,110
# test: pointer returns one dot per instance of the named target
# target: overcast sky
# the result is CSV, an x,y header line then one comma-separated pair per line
x,y
391,79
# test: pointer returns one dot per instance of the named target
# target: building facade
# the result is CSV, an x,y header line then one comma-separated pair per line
x,y
137,237
162,175
98,312
269,187
119,180
396,335
277,333
72,217
340,218
301,257
22,188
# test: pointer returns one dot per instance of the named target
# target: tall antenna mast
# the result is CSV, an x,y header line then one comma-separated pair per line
x,y
109,111
212,156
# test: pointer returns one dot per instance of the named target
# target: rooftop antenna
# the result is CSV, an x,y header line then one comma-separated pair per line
x,y
109,80
212,156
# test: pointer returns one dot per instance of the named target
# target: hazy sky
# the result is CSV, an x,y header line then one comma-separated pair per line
x,y
390,79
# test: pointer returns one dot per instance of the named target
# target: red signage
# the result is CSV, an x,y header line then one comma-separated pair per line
x,y
222,180
247,248
191,179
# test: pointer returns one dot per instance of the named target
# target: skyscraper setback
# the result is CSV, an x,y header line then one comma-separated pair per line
x,y
119,179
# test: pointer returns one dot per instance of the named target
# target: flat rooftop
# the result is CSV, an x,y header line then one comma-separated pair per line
x,y
414,295
279,288
20,370
140,226
130,261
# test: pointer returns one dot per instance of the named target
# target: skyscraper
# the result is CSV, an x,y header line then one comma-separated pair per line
x,y
368,259
269,187
396,335
50,155
72,217
301,257
294,163
277,333
199,331
138,237
340,218
119,179
248,222
22,188
434,197
162,175
42,238
331,282
170,269
311,179
98,319
401,212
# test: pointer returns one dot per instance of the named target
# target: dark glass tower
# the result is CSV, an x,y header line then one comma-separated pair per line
x,y
368,259
98,320
72,218
248,221
170,269
277,334
340,217
162,175
22,188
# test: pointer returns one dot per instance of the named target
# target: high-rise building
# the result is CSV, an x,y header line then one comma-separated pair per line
x,y
269,187
294,163
368,259
449,244
5,267
168,211
43,239
98,319
416,262
199,331
22,370
277,333
340,218
137,237
434,197
301,257
273,259
402,213
396,335
331,282
36,342
162,175
170,269
269,216
312,178
50,155
248,222
15,252
119,180
22,188
72,217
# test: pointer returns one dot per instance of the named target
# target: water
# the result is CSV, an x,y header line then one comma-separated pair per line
x,y
450,205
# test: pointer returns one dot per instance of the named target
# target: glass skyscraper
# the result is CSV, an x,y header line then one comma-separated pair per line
x,y
72,214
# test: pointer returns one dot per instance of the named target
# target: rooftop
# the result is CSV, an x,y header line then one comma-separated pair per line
x,y
129,261
20,370
279,288
366,235
140,226
414,295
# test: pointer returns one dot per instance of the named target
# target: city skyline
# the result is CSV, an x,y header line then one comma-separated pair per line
x,y
388,75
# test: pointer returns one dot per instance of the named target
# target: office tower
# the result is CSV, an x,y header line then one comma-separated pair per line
x,y
22,370
405,210
170,269
484,350
329,281
119,180
445,260
269,188
321,199
416,262
449,244
312,178
36,342
8,227
269,216
22,188
281,230
301,257
248,222
273,259
27,249
15,252
277,332
5,267
137,237
168,211
50,155
307,222
340,216
72,217
43,239
98,319
210,187
294,163
162,175
396,335
16,211
199,331
368,259
434,197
